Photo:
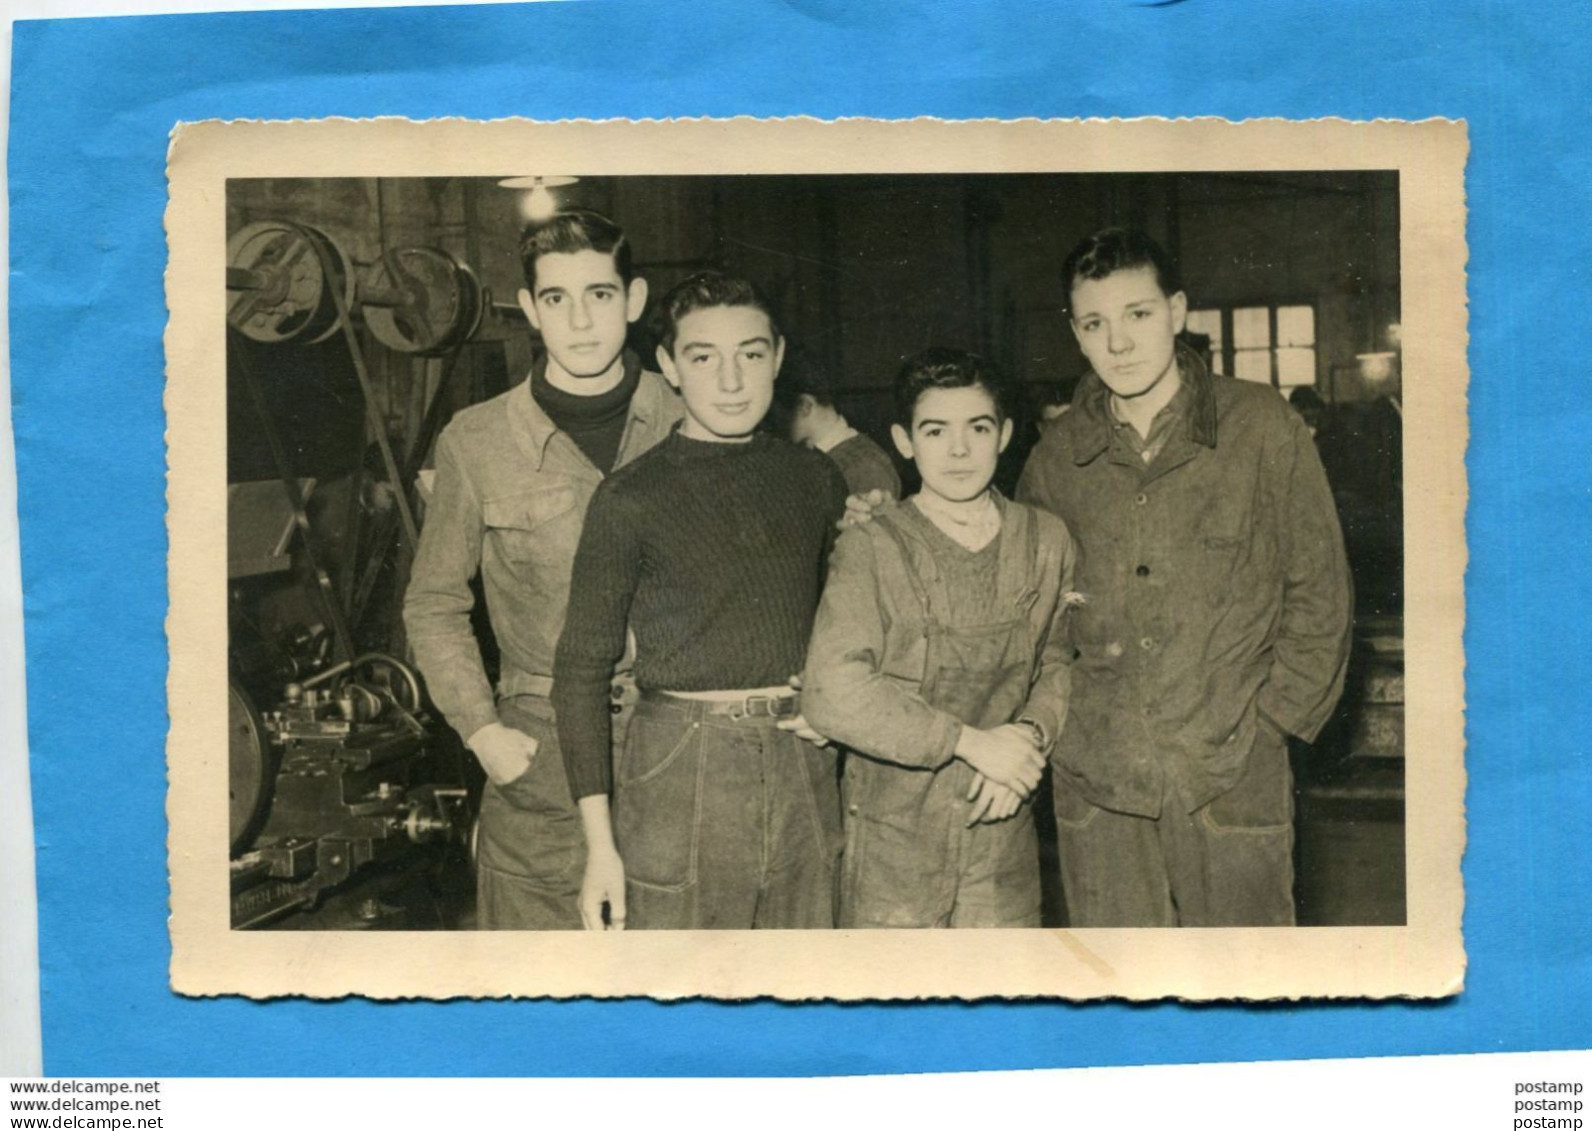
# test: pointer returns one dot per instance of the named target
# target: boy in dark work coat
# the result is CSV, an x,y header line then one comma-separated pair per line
x,y
1217,614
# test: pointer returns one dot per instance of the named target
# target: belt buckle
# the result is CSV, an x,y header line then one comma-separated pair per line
x,y
762,706
755,707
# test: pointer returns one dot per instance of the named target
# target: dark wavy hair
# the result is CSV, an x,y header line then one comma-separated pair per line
x,y
570,232
1118,249
707,289
941,368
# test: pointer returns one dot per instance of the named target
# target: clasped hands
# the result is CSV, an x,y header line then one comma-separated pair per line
x,y
1008,764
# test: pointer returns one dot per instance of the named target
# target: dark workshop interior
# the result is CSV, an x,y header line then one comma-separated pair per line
x,y
401,311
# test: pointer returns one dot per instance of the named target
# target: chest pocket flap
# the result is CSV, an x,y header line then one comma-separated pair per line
x,y
515,520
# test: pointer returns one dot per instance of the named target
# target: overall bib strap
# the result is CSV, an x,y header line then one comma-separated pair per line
x,y
909,562
1019,549
977,672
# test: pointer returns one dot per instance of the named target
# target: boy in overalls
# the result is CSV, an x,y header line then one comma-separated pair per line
x,y
939,658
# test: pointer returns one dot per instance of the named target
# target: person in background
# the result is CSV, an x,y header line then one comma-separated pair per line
x,y
940,658
513,479
1311,408
1049,403
807,402
1216,614
711,550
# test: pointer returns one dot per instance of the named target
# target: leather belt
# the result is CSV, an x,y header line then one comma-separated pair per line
x,y
750,707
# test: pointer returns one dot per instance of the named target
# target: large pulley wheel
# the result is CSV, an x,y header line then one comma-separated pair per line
x,y
442,302
283,280
249,773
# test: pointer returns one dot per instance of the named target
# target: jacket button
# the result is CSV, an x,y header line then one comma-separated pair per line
x,y
852,809
1147,643
617,691
1141,498
1143,571
614,708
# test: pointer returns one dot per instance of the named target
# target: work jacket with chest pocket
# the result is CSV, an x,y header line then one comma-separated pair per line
x,y
1216,595
510,500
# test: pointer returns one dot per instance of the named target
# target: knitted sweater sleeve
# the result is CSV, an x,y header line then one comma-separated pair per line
x,y
606,571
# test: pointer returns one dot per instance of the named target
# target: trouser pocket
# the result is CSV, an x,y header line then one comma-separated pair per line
x,y
1073,811
529,830
543,789
658,800
901,826
1262,799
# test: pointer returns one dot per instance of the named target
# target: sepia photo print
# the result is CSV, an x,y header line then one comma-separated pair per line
x,y
817,560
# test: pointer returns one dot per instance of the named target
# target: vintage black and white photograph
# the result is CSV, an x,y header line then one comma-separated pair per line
x,y
916,559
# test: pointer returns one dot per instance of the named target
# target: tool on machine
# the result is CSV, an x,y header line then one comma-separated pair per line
x,y
326,782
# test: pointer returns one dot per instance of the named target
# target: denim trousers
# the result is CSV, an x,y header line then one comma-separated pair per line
x,y
724,823
530,847
1228,863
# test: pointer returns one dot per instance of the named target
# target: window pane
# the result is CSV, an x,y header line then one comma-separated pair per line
x,y
1252,327
1209,323
1296,326
1296,367
1252,365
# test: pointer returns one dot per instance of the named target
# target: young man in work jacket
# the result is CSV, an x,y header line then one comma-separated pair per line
x,y
514,476
1217,614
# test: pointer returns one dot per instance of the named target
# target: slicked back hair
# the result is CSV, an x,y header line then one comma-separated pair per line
x,y
941,368
703,290
568,233
1118,249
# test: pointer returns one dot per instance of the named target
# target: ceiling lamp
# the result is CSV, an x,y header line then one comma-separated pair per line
x,y
536,199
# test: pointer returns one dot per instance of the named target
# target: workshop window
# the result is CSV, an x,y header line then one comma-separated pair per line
x,y
1209,323
1296,347
1270,345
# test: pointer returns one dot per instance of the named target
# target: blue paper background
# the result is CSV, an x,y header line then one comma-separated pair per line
x,y
92,106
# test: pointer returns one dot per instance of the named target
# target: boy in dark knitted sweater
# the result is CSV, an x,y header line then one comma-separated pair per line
x,y
711,550
940,657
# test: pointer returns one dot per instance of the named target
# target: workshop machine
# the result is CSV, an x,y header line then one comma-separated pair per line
x,y
333,777
336,769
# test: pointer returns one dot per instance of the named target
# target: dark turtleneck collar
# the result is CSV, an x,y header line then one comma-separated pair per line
x,y
596,423
575,406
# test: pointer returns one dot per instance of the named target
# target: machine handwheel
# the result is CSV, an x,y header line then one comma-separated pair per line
x,y
249,774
